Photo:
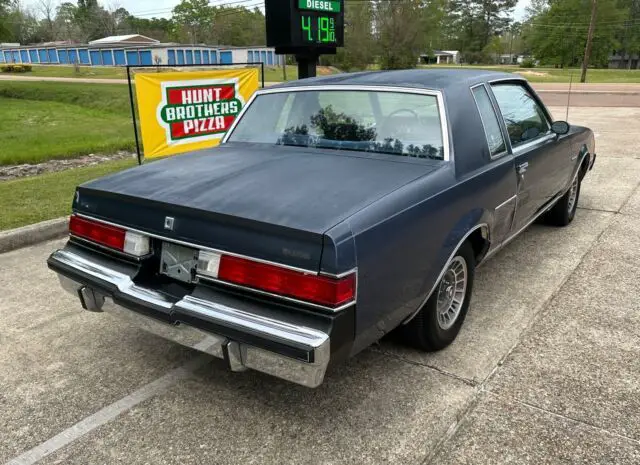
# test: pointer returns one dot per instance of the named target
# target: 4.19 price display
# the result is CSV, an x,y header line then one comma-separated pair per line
x,y
319,29
303,27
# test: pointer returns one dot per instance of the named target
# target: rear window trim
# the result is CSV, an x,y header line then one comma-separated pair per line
x,y
444,121
499,119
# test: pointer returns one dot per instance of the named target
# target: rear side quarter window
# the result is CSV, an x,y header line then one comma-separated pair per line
x,y
490,122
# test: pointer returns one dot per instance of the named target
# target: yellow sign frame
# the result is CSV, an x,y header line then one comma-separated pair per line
x,y
184,111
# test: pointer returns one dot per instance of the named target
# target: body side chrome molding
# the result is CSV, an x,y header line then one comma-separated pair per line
x,y
444,268
444,124
509,200
537,215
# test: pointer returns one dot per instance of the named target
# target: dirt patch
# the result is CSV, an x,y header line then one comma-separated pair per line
x,y
327,70
52,166
533,73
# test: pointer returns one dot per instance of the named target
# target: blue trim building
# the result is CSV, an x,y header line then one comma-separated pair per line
x,y
135,50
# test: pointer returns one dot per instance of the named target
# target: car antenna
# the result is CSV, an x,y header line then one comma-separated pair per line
x,y
569,96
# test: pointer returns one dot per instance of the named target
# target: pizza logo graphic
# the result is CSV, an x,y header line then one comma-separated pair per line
x,y
194,111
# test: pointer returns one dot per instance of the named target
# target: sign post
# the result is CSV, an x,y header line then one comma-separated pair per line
x,y
306,29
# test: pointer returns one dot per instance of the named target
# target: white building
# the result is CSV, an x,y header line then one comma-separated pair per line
x,y
439,57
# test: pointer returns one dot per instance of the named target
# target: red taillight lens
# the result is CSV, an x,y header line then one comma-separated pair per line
x,y
100,233
331,292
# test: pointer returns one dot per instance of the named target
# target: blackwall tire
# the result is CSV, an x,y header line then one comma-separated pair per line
x,y
430,329
564,211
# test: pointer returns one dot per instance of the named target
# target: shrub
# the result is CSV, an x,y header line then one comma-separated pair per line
x,y
528,63
12,68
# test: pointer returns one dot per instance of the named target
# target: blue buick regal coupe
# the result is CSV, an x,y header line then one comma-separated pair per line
x,y
336,210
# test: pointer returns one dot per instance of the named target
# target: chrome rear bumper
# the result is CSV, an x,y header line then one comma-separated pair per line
x,y
292,352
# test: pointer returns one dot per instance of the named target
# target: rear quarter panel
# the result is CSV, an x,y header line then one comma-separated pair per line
x,y
403,241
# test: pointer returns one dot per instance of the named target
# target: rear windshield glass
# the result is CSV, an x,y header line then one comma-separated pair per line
x,y
393,123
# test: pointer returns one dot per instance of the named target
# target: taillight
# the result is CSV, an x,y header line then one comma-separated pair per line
x,y
312,288
109,236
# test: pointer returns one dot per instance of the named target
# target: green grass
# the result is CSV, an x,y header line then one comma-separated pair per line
x,y
271,73
30,200
90,72
274,73
112,98
49,120
594,76
34,131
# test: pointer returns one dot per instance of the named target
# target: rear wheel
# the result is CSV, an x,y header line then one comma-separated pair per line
x,y
564,210
439,321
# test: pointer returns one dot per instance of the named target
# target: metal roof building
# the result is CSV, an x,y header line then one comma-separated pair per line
x,y
134,49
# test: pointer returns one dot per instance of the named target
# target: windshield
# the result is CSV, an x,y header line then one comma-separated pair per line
x,y
395,123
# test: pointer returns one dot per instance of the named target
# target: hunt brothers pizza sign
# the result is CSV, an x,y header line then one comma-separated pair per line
x,y
190,110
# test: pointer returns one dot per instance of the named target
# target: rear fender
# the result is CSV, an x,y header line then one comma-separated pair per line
x,y
475,221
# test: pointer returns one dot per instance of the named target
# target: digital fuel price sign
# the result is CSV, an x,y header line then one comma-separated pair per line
x,y
302,26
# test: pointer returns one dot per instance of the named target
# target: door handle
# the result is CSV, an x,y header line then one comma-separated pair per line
x,y
522,168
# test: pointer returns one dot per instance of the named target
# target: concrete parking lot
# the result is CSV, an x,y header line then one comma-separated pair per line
x,y
545,370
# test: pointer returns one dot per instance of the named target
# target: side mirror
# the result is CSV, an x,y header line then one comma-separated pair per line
x,y
560,127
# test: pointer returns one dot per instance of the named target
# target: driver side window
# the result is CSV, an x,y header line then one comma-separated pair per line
x,y
524,118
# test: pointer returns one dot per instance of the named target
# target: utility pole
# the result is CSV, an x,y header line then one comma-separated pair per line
x,y
587,50
284,68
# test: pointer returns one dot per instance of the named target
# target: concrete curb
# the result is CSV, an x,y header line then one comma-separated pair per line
x,y
33,234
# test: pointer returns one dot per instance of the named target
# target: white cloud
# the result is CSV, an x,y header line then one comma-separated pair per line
x,y
519,12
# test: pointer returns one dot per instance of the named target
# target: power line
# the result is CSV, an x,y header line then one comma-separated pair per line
x,y
170,9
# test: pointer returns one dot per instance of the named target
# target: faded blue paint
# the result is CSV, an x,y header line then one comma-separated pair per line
x,y
171,56
180,57
24,55
107,57
84,56
43,56
197,57
189,56
205,57
16,56
63,56
145,58
121,59
2,58
263,56
96,58
226,58
133,58
73,56
214,57
53,55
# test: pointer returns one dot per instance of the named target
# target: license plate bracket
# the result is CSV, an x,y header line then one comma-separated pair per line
x,y
178,262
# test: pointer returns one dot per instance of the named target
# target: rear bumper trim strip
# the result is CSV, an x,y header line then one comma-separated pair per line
x,y
292,352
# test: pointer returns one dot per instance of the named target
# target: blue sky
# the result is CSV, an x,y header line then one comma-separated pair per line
x,y
150,8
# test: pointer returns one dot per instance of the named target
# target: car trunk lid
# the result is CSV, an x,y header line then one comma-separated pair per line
x,y
272,203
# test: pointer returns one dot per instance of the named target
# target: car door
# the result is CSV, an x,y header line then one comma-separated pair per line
x,y
534,146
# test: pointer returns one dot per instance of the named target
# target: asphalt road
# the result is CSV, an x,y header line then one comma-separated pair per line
x,y
546,369
553,94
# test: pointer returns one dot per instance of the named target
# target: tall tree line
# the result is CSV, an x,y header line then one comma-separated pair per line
x,y
391,33
192,21
556,30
